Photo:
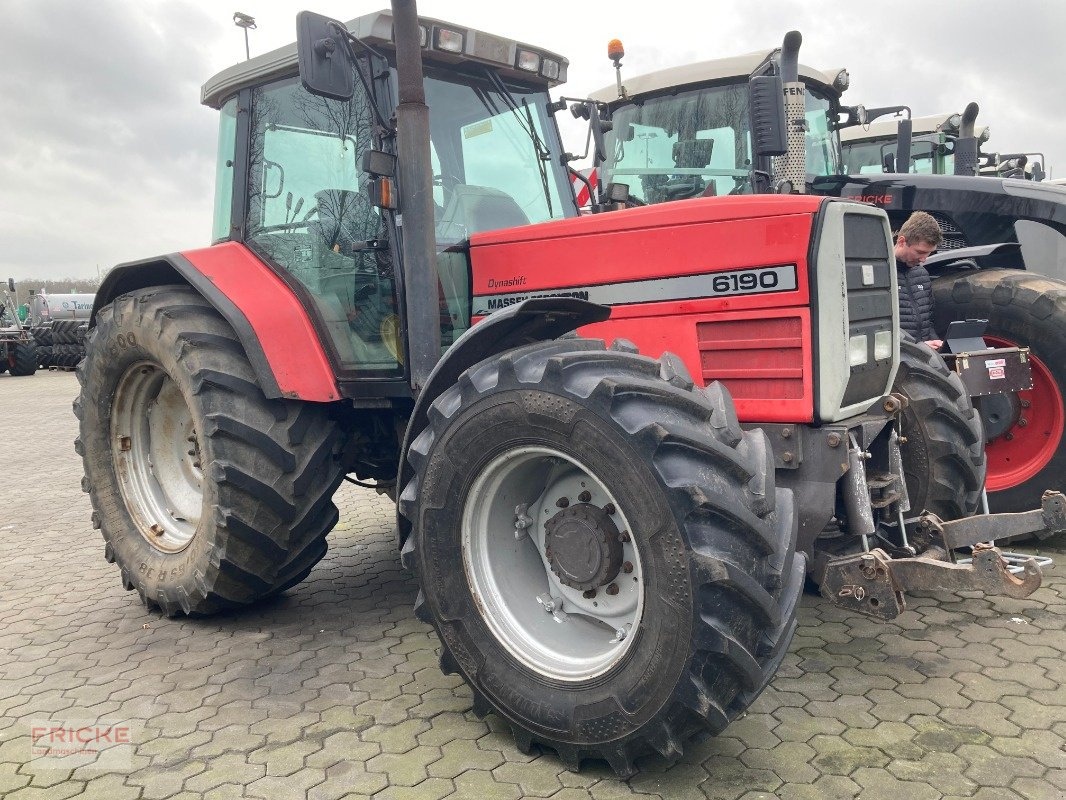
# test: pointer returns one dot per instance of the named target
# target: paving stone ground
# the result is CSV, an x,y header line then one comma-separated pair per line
x,y
333,690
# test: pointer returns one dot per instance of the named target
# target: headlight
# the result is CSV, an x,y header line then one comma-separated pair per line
x,y
528,61
449,41
858,350
549,68
882,345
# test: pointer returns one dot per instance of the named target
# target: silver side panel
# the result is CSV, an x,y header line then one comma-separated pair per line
x,y
833,327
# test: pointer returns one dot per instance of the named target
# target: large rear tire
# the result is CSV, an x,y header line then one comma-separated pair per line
x,y
208,494
1028,455
22,359
642,517
943,456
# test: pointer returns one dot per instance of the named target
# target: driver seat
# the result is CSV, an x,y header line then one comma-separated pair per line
x,y
473,209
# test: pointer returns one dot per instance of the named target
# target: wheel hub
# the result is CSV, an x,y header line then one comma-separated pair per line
x,y
999,413
583,547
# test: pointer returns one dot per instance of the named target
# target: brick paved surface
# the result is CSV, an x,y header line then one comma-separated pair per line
x,y
333,690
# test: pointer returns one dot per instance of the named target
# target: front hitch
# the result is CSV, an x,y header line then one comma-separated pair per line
x,y
1049,519
874,583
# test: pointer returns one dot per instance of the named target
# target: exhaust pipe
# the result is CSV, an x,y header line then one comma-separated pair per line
x,y
416,192
790,170
966,161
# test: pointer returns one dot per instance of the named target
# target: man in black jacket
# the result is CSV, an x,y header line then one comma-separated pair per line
x,y
916,241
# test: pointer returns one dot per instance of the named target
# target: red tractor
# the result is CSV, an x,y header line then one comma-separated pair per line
x,y
607,553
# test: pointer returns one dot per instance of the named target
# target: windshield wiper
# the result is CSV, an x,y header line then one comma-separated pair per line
x,y
542,152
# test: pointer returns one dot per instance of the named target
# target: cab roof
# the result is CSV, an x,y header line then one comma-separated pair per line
x,y
376,30
719,69
884,128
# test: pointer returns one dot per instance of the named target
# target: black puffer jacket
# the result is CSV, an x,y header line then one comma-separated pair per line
x,y
915,301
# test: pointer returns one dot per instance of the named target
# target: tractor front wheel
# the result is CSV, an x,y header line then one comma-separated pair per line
x,y
601,549
943,456
208,494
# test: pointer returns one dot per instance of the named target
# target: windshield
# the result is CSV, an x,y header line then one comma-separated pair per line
x,y
492,156
868,157
692,143
698,142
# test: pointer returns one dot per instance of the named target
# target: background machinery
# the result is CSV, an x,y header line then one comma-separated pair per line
x,y
872,148
1004,252
605,551
18,351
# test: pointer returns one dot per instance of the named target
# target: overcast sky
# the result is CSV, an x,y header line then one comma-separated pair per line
x,y
107,156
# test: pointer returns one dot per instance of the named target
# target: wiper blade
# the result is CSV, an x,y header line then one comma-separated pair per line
x,y
541,149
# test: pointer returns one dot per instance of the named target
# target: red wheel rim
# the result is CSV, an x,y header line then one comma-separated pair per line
x,y
1013,461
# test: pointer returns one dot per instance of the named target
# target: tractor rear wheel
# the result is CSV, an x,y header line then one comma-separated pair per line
x,y
943,457
1027,448
208,494
601,549
22,358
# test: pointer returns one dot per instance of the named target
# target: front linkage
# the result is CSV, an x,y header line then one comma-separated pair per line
x,y
875,582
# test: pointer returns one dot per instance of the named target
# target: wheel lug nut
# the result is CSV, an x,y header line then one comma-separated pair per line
x,y
1022,422
623,537
589,594
612,589
585,496
562,502
609,509
627,567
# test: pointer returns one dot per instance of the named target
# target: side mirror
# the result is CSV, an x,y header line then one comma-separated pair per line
x,y
616,193
888,162
11,284
767,107
325,59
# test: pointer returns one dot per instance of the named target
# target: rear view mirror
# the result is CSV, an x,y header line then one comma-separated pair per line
x,y
324,55
767,100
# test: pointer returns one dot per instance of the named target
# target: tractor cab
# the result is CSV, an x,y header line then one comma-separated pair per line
x,y
307,182
687,131
872,149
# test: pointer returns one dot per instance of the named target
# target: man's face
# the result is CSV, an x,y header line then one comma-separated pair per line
x,y
913,254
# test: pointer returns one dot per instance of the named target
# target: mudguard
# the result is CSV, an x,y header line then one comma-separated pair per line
x,y
269,318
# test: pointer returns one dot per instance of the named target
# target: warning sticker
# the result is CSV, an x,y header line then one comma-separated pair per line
x,y
995,362
997,373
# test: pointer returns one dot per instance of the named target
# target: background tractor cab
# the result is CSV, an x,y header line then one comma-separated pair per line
x,y
1003,257
687,131
872,149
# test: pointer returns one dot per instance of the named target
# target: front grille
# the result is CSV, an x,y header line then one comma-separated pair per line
x,y
867,266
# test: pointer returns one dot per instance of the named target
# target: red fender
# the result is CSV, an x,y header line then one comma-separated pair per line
x,y
268,316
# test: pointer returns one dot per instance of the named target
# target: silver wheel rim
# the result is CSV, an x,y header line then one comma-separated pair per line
x,y
552,628
156,456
